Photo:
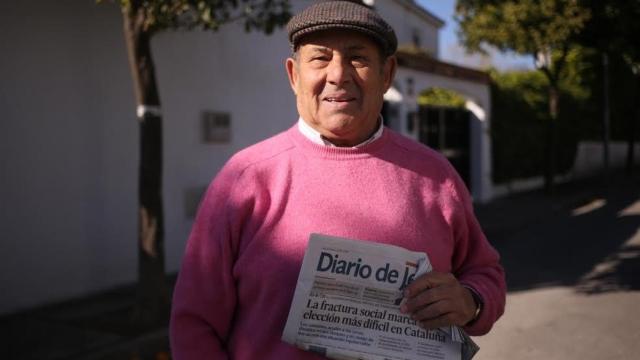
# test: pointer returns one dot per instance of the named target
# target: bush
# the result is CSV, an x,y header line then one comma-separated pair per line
x,y
519,126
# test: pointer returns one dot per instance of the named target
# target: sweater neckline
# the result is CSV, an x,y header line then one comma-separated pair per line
x,y
337,153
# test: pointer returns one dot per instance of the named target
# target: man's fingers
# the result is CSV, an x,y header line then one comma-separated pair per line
x,y
427,281
424,298
435,313
437,299
432,311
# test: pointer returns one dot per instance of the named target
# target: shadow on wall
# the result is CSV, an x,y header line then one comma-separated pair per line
x,y
584,238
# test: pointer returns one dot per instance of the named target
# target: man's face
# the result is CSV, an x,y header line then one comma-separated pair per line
x,y
339,78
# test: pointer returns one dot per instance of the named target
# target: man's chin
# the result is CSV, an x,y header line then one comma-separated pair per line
x,y
339,129
340,120
342,135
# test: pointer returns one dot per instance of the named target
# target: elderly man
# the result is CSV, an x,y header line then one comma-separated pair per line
x,y
338,172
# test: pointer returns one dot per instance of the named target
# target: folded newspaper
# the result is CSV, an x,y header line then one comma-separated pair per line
x,y
346,305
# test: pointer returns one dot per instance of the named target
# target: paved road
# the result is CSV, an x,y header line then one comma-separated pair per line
x,y
573,270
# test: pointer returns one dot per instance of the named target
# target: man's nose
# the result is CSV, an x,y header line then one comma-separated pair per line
x,y
338,71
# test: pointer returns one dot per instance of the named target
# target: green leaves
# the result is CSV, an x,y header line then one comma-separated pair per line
x,y
157,15
614,28
441,97
524,26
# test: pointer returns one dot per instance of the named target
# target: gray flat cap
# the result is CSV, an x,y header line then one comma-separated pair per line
x,y
348,15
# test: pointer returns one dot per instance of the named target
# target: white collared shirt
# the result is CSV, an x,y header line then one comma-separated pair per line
x,y
313,135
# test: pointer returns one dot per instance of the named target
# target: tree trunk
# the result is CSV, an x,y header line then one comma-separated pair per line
x,y
152,298
550,148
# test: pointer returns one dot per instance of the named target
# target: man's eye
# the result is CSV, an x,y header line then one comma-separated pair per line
x,y
320,58
359,60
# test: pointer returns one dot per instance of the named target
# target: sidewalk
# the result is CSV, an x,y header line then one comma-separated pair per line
x,y
572,264
572,268
97,327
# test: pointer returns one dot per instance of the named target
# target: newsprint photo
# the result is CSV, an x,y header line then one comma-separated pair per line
x,y
346,305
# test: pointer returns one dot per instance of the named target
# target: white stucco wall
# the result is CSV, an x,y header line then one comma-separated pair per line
x,y
67,152
223,74
589,158
69,139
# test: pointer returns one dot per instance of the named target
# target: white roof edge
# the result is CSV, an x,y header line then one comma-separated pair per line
x,y
393,95
422,12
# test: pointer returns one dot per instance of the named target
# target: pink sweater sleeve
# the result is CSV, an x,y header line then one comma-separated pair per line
x,y
205,295
476,263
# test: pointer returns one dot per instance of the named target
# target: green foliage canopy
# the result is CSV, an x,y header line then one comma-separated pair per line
x,y
544,29
156,15
440,97
524,26
518,125
614,27
541,28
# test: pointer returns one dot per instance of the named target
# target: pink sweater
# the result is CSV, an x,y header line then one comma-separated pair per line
x,y
246,247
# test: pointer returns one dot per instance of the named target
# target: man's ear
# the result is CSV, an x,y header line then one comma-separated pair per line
x,y
390,67
292,71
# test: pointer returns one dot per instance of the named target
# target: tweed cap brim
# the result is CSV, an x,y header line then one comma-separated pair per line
x,y
347,15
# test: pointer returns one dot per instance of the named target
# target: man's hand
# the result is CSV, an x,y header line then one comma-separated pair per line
x,y
437,299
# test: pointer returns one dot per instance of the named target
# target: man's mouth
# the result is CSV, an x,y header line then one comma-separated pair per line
x,y
339,99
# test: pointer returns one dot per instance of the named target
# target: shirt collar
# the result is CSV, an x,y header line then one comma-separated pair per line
x,y
313,135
